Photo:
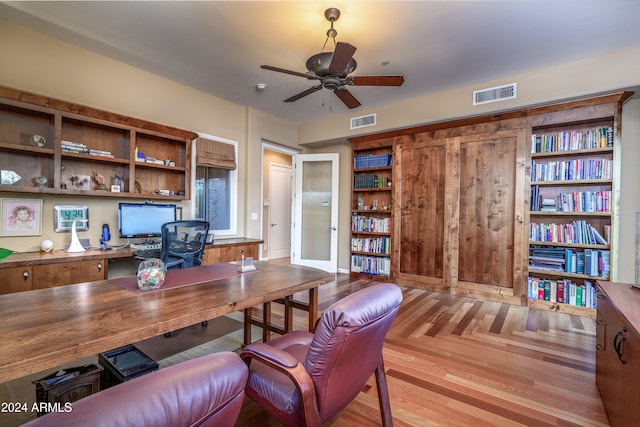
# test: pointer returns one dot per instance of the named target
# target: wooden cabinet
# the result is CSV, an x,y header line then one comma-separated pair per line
x,y
573,204
66,273
70,145
228,250
372,208
49,275
37,270
16,279
618,352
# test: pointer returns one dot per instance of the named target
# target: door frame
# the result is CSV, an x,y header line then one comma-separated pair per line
x,y
272,146
270,219
332,264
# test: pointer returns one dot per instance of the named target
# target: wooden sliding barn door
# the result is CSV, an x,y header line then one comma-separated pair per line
x,y
459,215
487,243
422,214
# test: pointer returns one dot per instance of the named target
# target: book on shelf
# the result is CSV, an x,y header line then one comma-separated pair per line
x,y
591,262
548,205
370,224
572,140
377,266
371,181
577,232
563,291
364,161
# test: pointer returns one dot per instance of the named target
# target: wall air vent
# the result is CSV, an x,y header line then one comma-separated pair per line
x,y
494,94
363,121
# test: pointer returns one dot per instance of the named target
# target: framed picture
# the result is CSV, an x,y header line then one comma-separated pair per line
x,y
21,217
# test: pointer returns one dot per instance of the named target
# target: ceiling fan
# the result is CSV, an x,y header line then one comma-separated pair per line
x,y
333,69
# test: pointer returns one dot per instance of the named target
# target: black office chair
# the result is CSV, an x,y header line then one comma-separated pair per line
x,y
183,246
183,243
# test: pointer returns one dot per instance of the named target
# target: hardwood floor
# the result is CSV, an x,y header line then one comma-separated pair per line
x,y
454,361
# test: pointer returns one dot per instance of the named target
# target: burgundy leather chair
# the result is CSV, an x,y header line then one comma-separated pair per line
x,y
207,391
306,379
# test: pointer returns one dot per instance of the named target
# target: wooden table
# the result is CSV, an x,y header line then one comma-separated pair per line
x,y
45,328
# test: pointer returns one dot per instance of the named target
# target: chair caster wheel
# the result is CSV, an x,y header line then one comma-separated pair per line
x,y
205,323
167,334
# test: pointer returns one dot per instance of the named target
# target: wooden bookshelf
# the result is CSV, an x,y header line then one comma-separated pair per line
x,y
573,205
371,210
46,137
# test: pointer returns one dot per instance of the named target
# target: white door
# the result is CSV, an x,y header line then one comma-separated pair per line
x,y
279,211
315,227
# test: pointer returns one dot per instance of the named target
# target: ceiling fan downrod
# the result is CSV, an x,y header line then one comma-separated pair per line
x,y
332,14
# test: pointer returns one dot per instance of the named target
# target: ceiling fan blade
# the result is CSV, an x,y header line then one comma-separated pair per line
x,y
378,80
304,93
341,56
347,98
293,73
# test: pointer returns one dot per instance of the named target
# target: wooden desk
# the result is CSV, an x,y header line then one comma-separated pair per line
x,y
26,271
44,328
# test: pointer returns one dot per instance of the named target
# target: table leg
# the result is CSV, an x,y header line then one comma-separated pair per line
x,y
266,321
313,309
288,314
247,326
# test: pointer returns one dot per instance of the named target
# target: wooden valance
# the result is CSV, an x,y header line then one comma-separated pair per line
x,y
215,154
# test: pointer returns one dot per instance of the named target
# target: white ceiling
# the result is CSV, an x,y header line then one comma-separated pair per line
x,y
218,46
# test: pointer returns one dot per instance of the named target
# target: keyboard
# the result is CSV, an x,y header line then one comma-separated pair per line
x,y
145,246
147,253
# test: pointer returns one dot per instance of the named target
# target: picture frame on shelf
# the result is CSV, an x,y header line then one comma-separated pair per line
x,y
21,217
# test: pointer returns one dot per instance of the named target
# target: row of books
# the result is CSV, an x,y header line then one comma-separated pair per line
x,y
578,232
563,291
371,181
77,147
572,140
377,266
571,170
371,161
592,262
374,245
579,201
369,224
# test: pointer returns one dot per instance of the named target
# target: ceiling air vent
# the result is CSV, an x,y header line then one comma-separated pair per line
x,y
363,121
493,94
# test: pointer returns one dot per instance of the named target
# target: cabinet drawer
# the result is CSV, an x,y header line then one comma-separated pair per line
x,y
67,273
16,279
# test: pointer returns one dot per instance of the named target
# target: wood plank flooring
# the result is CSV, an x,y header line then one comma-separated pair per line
x,y
455,361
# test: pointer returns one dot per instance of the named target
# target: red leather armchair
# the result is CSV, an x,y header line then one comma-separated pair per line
x,y
306,379
207,391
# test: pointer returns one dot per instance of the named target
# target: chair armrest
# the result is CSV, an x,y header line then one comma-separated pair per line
x,y
265,351
287,364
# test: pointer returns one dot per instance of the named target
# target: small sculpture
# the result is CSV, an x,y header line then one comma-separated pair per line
x,y
100,181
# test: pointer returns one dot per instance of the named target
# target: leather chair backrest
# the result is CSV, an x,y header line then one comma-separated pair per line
x,y
204,392
347,345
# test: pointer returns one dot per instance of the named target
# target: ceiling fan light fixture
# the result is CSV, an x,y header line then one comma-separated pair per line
x,y
332,69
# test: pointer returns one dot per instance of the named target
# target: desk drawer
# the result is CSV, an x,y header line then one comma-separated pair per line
x,y
67,273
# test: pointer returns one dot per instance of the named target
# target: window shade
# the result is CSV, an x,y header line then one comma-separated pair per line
x,y
215,154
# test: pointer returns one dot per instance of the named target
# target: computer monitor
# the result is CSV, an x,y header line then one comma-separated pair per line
x,y
141,220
